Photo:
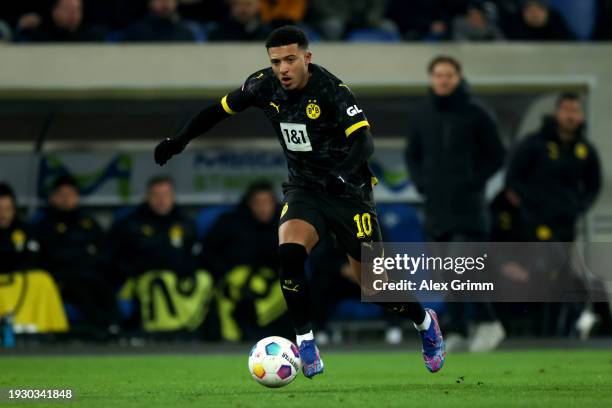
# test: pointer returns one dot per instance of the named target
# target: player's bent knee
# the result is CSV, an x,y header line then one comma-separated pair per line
x,y
298,232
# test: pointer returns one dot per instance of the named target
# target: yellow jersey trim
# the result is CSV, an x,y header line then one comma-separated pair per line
x,y
226,107
356,126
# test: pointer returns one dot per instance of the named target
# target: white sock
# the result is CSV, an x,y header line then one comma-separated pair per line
x,y
425,324
301,337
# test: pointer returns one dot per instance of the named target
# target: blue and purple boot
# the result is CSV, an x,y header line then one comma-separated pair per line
x,y
434,351
311,361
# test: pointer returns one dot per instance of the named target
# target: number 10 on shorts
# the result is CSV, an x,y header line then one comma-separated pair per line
x,y
364,225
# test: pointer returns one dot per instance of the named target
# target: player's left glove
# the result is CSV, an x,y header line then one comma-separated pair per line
x,y
335,183
166,149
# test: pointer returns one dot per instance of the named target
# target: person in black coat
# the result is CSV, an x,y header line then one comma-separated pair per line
x,y
453,148
553,178
245,240
156,236
243,23
73,250
19,249
554,175
538,22
64,24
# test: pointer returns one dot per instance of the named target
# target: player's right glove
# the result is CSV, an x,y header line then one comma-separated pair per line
x,y
166,149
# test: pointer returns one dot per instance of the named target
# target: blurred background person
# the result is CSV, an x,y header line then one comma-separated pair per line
x,y
162,24
73,250
477,24
203,11
553,179
28,294
453,148
419,19
243,23
554,175
334,19
154,254
64,23
241,250
6,34
278,13
537,21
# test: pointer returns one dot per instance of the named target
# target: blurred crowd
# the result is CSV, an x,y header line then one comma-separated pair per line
x,y
31,21
158,270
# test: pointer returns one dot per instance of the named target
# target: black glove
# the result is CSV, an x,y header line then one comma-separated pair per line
x,y
335,183
166,149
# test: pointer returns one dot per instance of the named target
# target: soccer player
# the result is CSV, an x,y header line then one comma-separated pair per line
x,y
326,139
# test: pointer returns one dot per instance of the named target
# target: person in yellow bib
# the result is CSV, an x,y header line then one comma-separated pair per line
x,y
28,294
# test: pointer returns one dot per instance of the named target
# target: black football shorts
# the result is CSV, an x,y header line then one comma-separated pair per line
x,y
353,221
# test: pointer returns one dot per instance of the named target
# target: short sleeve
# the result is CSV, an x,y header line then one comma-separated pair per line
x,y
351,116
245,96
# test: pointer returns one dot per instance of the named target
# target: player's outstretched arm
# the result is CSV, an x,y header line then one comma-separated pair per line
x,y
362,147
198,125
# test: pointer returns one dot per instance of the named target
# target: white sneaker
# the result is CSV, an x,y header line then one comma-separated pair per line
x,y
455,342
585,323
322,338
393,335
487,337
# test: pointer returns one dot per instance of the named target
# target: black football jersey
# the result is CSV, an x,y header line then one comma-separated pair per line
x,y
313,125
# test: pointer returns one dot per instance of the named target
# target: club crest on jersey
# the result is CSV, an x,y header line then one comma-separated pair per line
x,y
581,151
313,111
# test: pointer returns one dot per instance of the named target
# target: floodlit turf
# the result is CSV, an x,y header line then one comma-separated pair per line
x,y
534,378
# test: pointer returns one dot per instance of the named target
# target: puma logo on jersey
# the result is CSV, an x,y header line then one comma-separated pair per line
x,y
277,107
353,110
259,76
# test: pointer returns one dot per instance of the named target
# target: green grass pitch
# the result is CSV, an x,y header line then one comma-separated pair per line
x,y
386,379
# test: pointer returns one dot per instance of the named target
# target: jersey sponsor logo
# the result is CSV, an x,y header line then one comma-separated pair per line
x,y
277,107
313,111
295,137
353,110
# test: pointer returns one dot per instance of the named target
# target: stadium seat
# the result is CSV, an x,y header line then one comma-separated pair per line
x,y
198,30
38,216
207,216
121,213
313,35
373,35
400,223
580,15
115,36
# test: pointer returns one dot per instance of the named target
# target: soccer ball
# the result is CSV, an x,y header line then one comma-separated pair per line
x,y
274,361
